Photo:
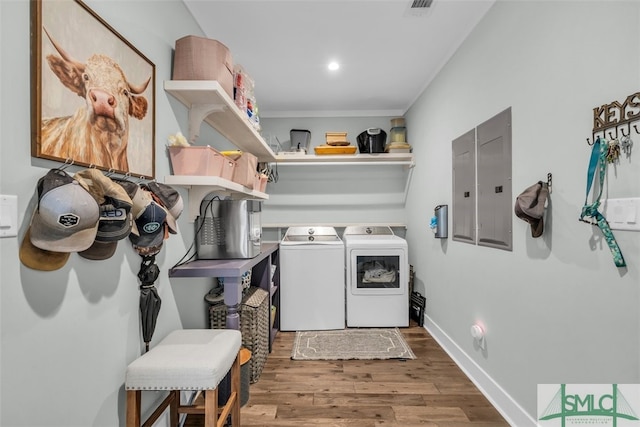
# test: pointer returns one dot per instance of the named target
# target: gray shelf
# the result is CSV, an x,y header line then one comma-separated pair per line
x,y
232,270
223,267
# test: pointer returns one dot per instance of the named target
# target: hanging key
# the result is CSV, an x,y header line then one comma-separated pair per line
x,y
626,144
613,154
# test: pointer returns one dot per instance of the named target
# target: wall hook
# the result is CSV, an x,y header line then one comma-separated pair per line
x,y
549,181
67,162
625,134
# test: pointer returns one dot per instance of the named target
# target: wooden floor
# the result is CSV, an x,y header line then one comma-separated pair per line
x,y
428,391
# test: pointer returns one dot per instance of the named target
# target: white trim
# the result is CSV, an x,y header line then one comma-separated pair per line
x,y
336,224
275,114
512,412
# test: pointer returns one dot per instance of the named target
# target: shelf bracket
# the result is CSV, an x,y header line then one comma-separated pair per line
x,y
197,194
197,114
411,165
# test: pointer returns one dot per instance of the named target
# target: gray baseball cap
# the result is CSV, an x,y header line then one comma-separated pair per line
x,y
168,197
115,213
66,217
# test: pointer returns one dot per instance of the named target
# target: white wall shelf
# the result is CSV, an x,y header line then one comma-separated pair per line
x,y
401,159
200,186
208,102
337,224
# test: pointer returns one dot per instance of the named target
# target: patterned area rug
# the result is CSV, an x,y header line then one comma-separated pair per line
x,y
365,344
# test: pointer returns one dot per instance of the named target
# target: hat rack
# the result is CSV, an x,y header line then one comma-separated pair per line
x,y
549,181
615,131
108,173
68,162
615,120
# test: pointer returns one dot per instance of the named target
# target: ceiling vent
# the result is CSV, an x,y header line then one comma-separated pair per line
x,y
421,4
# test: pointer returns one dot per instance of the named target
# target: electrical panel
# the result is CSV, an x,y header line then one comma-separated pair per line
x,y
464,188
495,204
482,201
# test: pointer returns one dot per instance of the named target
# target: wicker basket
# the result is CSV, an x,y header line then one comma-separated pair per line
x,y
254,325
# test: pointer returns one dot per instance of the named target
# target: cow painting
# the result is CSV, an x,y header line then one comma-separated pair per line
x,y
98,132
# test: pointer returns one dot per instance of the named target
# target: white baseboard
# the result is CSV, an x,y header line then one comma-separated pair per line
x,y
512,412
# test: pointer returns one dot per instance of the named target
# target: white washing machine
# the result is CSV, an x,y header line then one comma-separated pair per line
x,y
312,296
377,277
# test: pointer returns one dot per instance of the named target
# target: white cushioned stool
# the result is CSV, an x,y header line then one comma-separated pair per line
x,y
190,359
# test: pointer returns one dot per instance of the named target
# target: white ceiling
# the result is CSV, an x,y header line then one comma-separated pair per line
x,y
388,51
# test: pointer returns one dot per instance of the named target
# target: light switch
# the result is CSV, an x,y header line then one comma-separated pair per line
x,y
8,216
623,214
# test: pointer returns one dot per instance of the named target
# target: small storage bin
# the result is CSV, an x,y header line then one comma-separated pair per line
x,y
398,134
254,325
263,182
397,122
245,171
228,168
197,160
260,183
335,137
199,58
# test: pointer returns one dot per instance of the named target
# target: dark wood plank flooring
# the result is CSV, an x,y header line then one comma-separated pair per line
x,y
428,391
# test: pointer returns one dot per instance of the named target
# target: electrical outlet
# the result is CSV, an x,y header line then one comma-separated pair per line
x,y
8,216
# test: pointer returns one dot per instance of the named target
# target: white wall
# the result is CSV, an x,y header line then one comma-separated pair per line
x,y
68,335
556,309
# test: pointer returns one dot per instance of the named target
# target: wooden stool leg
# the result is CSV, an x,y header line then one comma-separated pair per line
x,y
133,408
173,409
211,408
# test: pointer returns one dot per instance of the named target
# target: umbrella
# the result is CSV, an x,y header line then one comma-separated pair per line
x,y
149,299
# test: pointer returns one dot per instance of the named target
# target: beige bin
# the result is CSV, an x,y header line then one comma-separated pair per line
x,y
200,160
199,58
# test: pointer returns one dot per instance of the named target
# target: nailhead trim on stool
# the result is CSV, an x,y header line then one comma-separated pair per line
x,y
190,359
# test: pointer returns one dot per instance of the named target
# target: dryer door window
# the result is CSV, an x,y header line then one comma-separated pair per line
x,y
378,273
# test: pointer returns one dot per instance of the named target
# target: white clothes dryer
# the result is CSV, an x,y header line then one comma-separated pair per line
x,y
377,277
312,296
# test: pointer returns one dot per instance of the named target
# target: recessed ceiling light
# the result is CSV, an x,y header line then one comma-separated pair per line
x,y
333,66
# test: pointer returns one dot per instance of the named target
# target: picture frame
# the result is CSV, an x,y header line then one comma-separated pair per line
x,y
92,92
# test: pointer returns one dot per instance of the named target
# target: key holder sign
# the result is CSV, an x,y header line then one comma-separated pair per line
x,y
611,120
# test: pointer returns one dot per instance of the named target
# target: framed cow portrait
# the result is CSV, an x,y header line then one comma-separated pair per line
x,y
93,92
